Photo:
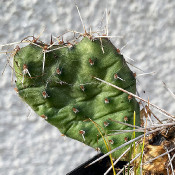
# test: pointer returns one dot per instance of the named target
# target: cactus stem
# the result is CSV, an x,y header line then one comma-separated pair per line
x,y
73,94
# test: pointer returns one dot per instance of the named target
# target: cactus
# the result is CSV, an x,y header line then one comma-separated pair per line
x,y
57,82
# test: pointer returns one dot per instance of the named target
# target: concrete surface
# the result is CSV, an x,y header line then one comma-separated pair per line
x,y
30,146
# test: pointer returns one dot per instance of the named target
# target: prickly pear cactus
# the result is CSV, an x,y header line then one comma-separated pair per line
x,y
57,82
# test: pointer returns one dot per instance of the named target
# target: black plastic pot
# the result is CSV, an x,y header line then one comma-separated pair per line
x,y
99,168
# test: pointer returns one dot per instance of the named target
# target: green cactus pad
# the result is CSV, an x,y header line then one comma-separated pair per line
x,y
67,95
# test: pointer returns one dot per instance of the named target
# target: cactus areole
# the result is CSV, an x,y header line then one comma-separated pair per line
x,y
57,82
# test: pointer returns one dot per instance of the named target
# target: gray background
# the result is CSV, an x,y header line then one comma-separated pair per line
x,y
28,145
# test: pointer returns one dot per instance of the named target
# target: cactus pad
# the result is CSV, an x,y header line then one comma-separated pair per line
x,y
66,95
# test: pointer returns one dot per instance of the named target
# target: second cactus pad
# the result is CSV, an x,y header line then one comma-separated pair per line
x,y
67,95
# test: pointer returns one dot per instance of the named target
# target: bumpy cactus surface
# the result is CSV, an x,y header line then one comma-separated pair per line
x,y
66,95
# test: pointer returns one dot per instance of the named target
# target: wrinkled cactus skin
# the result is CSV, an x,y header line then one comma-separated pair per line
x,y
67,95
